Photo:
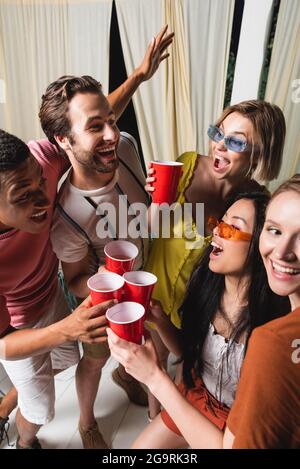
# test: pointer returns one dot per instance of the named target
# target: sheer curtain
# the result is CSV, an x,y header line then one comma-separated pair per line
x,y
2,82
175,108
179,125
283,82
139,21
208,26
43,40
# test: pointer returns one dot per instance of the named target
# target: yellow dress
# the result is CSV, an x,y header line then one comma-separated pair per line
x,y
173,259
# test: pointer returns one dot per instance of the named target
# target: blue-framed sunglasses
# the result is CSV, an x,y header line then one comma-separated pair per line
x,y
231,142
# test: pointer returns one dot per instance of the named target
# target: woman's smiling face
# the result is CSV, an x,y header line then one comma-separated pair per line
x,y
280,245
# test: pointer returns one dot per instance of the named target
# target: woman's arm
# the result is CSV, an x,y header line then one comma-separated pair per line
x,y
141,362
168,333
155,54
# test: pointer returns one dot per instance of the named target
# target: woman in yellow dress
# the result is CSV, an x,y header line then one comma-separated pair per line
x,y
246,145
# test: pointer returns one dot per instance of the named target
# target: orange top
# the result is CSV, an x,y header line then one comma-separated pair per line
x,y
266,412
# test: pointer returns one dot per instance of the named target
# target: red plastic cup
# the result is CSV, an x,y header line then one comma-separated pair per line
x,y
120,256
105,286
167,175
127,321
138,287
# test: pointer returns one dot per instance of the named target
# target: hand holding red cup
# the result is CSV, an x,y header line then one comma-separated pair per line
x,y
105,286
127,321
167,175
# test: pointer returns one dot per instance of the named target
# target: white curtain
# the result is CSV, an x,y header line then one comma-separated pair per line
x,y
208,26
175,108
2,83
283,83
138,21
43,40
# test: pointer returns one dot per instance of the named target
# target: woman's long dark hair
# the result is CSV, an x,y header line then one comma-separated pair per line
x,y
205,291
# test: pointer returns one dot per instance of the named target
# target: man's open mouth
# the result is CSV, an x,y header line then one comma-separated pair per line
x,y
107,153
39,217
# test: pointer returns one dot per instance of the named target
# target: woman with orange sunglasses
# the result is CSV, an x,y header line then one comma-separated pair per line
x,y
227,297
246,145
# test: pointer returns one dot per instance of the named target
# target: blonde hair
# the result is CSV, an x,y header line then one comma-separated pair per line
x,y
268,139
292,184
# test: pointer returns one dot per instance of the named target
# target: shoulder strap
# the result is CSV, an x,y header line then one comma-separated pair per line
x,y
130,170
97,207
77,227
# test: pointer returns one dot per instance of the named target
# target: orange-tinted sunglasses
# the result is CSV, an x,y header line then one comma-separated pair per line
x,y
227,231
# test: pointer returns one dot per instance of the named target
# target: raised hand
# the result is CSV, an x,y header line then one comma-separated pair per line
x,y
155,54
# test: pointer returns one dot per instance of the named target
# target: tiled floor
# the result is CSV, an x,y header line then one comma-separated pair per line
x,y
119,420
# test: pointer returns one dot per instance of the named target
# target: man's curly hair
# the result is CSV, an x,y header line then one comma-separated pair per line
x,y
13,151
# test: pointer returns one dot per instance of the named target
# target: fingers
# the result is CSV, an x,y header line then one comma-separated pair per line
x,y
163,57
149,180
96,340
119,346
149,188
100,310
151,48
161,34
99,322
115,339
98,333
162,41
163,47
115,345
149,345
155,303
167,41
87,303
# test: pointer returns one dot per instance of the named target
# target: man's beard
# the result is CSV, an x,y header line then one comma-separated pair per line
x,y
94,162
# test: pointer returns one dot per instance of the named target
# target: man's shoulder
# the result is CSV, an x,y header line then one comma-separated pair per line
x,y
128,151
43,148
127,141
130,166
48,155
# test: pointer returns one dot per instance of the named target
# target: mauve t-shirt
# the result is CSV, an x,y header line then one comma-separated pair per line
x,y
4,315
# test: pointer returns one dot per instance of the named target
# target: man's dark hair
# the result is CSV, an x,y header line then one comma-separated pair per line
x,y
13,151
55,103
